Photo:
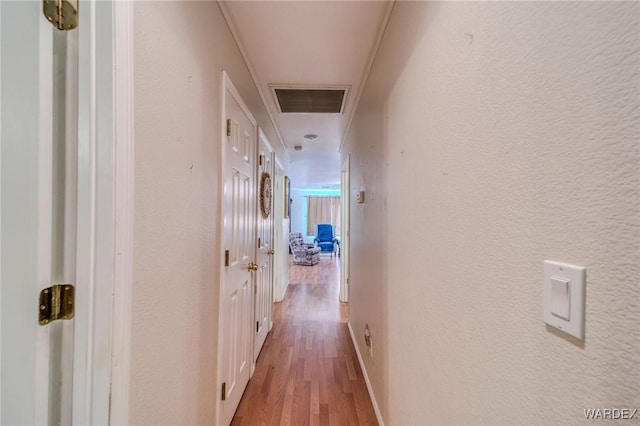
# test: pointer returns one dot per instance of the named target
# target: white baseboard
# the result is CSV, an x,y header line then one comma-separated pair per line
x,y
284,290
366,377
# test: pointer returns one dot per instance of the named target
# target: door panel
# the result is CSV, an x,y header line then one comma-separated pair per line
x,y
236,311
264,247
38,87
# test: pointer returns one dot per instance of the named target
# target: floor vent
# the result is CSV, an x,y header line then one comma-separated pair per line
x,y
309,101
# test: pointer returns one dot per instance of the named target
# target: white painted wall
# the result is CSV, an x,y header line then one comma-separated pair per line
x,y
181,49
493,136
298,215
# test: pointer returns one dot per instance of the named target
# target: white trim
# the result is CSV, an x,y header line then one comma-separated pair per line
x,y
236,36
220,241
366,376
345,223
83,357
124,211
96,238
0,212
70,223
372,56
45,139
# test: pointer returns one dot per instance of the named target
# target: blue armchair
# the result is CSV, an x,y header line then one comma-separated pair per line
x,y
325,239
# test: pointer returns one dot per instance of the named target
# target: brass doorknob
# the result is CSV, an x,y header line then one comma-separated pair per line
x,y
252,267
270,252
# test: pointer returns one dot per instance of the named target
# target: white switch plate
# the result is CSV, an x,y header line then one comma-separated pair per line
x,y
564,291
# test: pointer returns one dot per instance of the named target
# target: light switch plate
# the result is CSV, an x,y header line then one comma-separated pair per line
x,y
564,297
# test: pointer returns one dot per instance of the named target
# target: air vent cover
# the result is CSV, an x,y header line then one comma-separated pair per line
x,y
327,101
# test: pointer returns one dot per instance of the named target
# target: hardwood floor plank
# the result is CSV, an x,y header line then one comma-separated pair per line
x,y
300,410
324,414
308,371
287,407
314,406
351,369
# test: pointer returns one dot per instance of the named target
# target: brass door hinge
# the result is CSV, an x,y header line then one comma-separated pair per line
x,y
224,390
226,258
56,302
228,127
260,158
257,326
63,14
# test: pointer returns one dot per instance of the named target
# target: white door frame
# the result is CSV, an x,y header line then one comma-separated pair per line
x,y
123,56
106,158
345,197
280,237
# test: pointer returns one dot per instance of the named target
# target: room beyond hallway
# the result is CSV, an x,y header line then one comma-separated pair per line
x,y
308,371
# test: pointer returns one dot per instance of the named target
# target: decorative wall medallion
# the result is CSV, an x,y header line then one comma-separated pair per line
x,y
265,195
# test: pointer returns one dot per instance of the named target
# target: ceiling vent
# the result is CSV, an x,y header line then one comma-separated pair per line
x,y
310,100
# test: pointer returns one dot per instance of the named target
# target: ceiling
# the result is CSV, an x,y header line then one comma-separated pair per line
x,y
317,44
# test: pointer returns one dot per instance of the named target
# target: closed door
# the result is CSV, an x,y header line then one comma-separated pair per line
x,y
237,302
38,212
264,246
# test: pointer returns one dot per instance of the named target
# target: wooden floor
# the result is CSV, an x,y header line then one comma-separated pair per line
x,y
308,371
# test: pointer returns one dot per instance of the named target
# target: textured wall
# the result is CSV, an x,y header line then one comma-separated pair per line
x,y
181,50
368,253
503,134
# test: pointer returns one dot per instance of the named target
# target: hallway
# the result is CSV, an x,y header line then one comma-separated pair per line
x,y
308,371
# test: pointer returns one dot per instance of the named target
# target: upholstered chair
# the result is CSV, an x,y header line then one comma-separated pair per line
x,y
303,253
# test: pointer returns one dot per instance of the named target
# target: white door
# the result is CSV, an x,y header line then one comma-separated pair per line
x,y
239,240
38,212
57,213
264,246
345,233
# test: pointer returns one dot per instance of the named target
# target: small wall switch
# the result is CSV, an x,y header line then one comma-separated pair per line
x,y
360,197
560,298
564,290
